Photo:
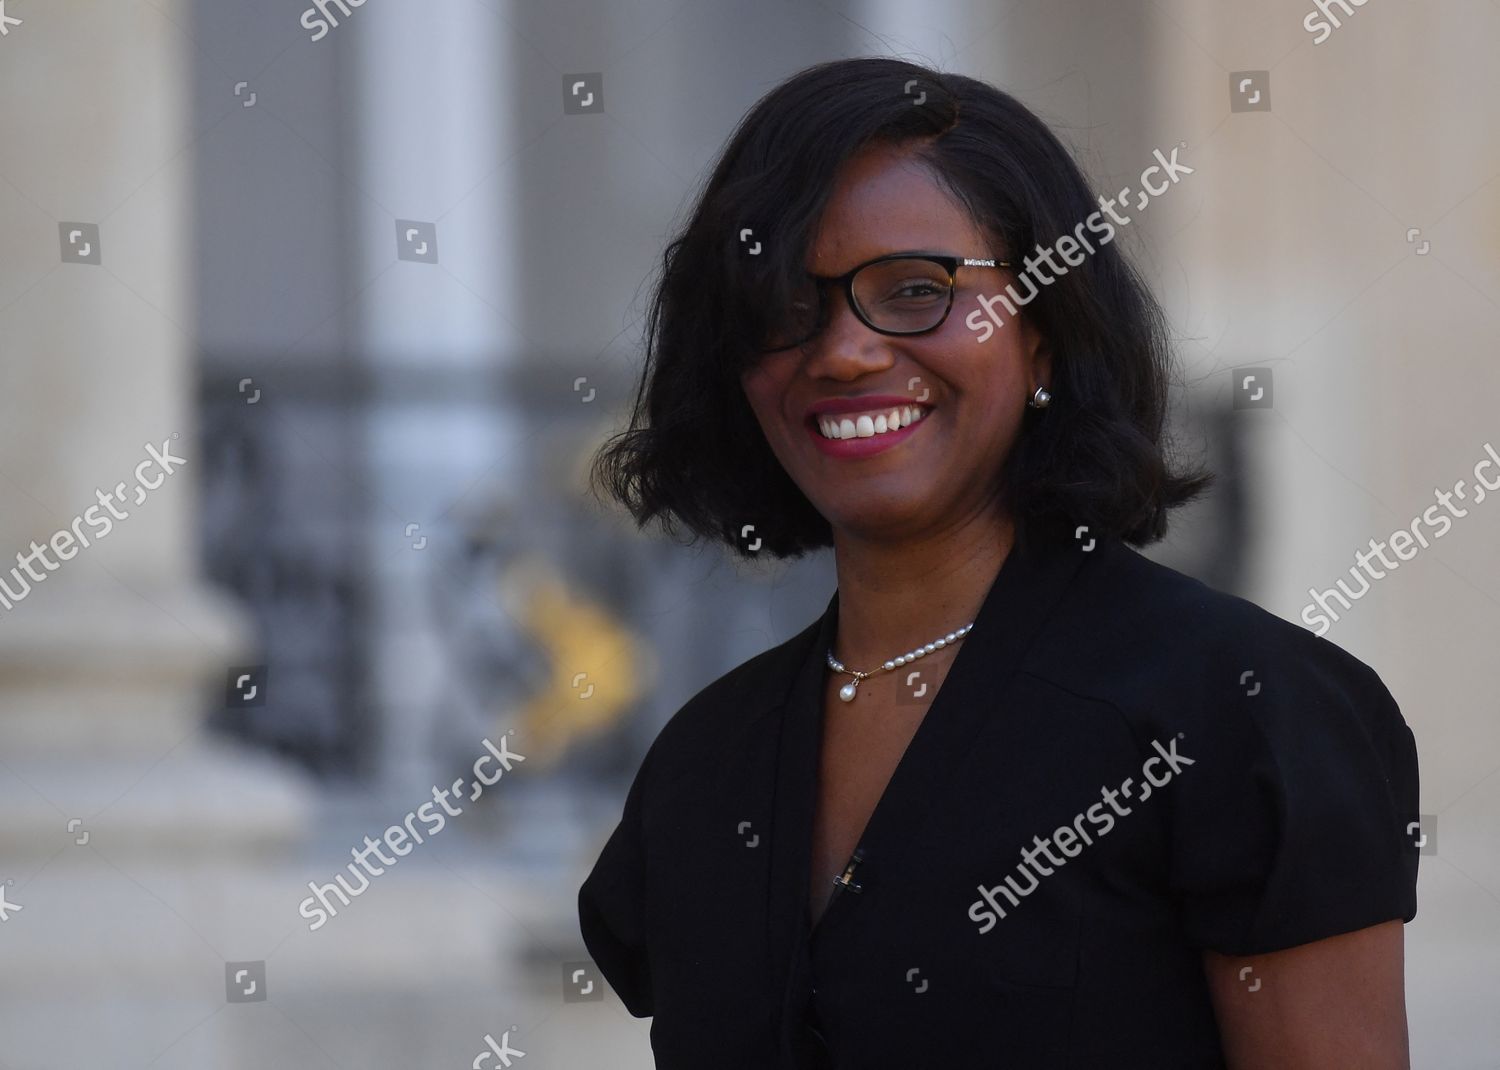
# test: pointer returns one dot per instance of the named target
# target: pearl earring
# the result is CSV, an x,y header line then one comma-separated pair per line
x,y
1041,399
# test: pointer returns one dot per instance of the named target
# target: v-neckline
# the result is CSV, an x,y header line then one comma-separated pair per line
x,y
1027,584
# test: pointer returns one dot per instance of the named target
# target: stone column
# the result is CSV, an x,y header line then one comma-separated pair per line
x,y
116,812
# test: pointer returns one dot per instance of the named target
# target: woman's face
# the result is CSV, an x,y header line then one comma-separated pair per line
x,y
943,469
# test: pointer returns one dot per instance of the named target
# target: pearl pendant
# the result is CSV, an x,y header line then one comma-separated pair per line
x,y
846,693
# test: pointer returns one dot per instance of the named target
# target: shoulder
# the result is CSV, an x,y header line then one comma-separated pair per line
x,y
1133,590
1289,826
1146,614
1172,654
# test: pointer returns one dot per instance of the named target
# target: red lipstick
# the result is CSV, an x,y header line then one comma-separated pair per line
x,y
867,405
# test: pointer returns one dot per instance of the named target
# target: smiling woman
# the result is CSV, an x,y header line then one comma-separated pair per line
x,y
979,671
834,172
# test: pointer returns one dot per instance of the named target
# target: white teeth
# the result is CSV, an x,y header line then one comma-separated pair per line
x,y
867,425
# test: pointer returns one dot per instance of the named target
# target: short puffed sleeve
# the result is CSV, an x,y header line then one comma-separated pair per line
x,y
611,906
1297,819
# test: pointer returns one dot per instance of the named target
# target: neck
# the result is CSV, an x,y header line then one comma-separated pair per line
x,y
894,596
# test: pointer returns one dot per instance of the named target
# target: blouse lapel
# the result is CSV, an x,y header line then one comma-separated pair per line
x,y
787,915
1028,585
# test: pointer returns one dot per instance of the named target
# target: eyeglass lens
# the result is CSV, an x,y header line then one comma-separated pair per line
x,y
902,296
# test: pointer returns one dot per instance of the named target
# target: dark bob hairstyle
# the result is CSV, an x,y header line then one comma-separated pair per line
x,y
694,455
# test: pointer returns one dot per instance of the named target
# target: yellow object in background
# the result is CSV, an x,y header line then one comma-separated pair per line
x,y
599,667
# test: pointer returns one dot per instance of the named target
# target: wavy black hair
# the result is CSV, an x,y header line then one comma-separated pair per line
x,y
694,456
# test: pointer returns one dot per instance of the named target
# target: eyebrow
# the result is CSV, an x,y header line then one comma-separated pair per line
x,y
882,256
963,261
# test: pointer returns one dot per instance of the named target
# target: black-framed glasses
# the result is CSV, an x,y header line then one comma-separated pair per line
x,y
897,294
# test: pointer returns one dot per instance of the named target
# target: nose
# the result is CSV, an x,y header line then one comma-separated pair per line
x,y
845,348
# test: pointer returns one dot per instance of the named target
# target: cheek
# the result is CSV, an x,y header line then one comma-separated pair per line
x,y
766,381
989,378
987,382
764,388
1000,350
772,375
759,392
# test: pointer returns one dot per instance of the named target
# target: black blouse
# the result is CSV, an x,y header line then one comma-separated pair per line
x,y
1122,768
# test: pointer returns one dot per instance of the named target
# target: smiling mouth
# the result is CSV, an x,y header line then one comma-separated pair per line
x,y
869,424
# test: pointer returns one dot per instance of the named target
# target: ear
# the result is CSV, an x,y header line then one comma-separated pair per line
x,y
1037,355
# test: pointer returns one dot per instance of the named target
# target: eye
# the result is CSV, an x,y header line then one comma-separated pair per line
x,y
902,285
914,292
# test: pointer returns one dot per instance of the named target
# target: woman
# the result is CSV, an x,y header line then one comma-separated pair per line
x,y
1020,797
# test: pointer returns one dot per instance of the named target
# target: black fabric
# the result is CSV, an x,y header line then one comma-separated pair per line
x,y
1284,822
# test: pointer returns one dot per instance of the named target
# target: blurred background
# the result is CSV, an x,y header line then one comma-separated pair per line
x,y
376,275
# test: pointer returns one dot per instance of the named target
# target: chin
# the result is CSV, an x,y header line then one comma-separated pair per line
x,y
877,518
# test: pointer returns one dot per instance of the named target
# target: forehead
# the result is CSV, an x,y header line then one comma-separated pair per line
x,y
885,200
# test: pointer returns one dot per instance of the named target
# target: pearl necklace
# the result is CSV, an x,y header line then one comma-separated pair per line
x,y
847,691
